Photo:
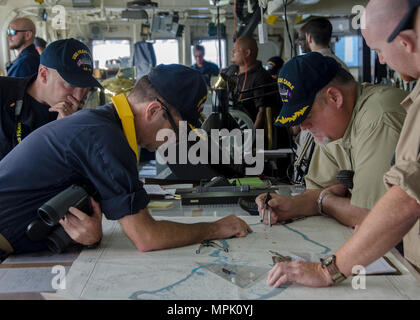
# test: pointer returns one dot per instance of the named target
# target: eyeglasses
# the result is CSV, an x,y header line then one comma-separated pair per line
x,y
12,32
171,120
407,22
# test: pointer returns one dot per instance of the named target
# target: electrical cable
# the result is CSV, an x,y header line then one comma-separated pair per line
x,y
236,46
219,39
292,47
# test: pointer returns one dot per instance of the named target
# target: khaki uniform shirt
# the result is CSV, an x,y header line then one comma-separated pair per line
x,y
406,172
367,146
328,53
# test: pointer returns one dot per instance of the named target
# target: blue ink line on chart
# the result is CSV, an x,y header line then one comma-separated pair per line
x,y
272,293
221,259
307,239
215,253
136,294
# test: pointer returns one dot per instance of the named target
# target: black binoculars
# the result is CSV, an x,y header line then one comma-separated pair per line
x,y
47,227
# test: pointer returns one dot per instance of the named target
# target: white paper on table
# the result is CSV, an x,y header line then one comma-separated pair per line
x,y
155,189
380,266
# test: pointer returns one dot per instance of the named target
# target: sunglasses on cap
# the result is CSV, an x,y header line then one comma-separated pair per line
x,y
12,32
407,22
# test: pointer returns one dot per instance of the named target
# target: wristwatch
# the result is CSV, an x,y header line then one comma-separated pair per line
x,y
329,264
321,197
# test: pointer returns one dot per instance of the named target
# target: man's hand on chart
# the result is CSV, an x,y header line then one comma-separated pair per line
x,y
281,207
232,226
303,272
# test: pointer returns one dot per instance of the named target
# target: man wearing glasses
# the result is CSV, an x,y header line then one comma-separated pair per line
x,y
392,29
93,145
21,35
206,68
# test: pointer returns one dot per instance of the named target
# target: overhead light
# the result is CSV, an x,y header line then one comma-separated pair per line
x,y
141,5
219,2
307,1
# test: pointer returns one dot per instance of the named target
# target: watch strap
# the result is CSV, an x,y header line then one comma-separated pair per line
x,y
331,266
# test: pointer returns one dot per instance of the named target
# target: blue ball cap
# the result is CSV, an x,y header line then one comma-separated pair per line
x,y
182,87
72,60
299,81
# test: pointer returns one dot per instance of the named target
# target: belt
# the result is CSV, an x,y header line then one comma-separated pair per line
x,y
5,245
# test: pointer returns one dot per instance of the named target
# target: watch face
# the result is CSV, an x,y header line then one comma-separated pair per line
x,y
328,260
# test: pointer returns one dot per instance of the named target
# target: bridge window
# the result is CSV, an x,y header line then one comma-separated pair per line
x,y
347,49
166,51
109,54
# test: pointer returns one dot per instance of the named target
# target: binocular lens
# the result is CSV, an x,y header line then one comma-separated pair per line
x,y
49,215
58,240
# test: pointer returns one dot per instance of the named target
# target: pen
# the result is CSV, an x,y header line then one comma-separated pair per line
x,y
267,198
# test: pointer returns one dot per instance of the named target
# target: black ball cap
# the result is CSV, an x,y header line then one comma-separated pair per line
x,y
73,61
300,79
182,87
274,64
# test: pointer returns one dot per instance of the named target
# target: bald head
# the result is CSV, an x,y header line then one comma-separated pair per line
x,y
382,16
24,34
249,43
23,24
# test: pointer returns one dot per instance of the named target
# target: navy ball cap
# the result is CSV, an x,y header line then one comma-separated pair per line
x,y
299,81
73,61
182,87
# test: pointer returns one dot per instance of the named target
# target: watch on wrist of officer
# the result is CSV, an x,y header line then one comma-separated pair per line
x,y
321,197
329,264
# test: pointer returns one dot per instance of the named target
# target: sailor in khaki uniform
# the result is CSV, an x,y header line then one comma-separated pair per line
x,y
406,172
356,127
367,146
389,31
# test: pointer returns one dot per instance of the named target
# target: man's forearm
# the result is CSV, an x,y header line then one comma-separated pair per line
x,y
148,234
342,210
387,223
305,204
179,235
260,120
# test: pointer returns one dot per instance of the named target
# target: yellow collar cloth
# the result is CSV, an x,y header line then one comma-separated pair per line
x,y
127,120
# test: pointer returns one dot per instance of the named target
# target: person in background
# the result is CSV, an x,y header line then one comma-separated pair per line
x,y
281,136
249,73
58,89
274,65
21,35
40,44
315,36
206,68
